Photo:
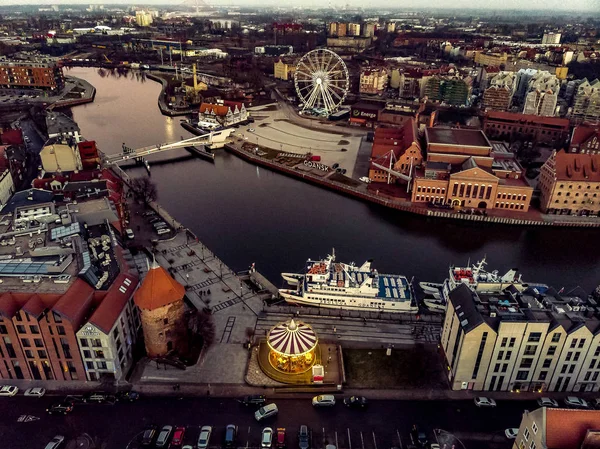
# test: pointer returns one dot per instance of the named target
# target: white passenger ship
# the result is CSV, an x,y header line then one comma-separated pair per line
x,y
326,283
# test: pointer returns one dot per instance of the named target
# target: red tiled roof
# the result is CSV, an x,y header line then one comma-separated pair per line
x,y
8,306
34,306
12,137
577,167
566,429
516,117
219,110
397,139
158,289
74,304
582,133
111,306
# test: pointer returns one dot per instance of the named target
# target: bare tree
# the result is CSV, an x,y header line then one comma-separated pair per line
x,y
144,189
202,323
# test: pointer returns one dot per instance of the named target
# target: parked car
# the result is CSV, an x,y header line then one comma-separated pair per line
x,y
60,407
230,435
129,233
303,437
148,213
255,399
356,402
8,390
148,435
98,397
162,231
266,411
267,438
130,396
575,402
512,433
55,442
251,130
35,392
324,400
204,437
280,441
154,220
163,436
481,401
547,402
178,436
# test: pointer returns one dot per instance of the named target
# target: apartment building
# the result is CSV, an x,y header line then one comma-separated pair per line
x,y
508,126
39,75
373,80
284,70
585,139
586,101
570,184
452,90
498,96
535,340
542,95
548,428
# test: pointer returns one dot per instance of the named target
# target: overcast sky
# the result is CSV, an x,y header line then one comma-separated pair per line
x,y
547,5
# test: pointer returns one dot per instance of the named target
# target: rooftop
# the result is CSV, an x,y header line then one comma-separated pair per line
x,y
158,289
577,167
454,136
570,429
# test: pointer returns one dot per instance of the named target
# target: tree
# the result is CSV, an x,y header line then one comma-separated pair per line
x,y
202,323
144,189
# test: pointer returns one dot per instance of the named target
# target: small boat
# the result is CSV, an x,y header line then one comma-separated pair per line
x,y
431,288
435,305
292,278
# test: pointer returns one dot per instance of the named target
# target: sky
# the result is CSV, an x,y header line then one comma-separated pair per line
x,y
547,5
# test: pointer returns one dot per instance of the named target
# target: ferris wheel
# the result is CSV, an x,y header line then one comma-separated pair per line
x,y
322,81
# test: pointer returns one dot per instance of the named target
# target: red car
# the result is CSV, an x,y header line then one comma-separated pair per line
x,y
280,438
178,437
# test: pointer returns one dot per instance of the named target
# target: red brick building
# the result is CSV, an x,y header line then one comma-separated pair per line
x,y
585,139
509,126
31,75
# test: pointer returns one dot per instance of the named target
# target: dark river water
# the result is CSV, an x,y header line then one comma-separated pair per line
x,y
248,214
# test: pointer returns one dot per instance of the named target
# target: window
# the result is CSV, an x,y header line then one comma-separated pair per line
x,y
569,356
581,343
500,355
84,342
34,329
526,362
543,375
87,354
530,350
526,434
587,376
28,353
497,368
576,356
563,370
534,427
479,355
504,367
99,354
571,369
532,445
547,363
504,342
573,343
508,355
25,342
89,365
522,375
96,343
3,329
57,317
116,333
593,363
20,329
595,376
551,350
597,352
60,330
512,342
42,354
101,365
38,342
166,321
534,337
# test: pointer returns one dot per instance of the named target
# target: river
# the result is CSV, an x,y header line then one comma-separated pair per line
x,y
248,214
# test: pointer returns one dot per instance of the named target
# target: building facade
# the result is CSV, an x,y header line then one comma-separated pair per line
x,y
373,80
448,89
490,59
586,102
570,184
214,116
283,70
531,340
585,139
542,95
551,38
39,75
508,126
498,96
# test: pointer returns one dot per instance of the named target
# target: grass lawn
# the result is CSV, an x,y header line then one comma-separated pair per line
x,y
417,367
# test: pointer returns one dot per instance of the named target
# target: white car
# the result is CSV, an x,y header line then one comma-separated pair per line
x,y
511,433
481,401
163,436
129,233
575,402
204,437
324,400
35,392
251,130
365,179
547,402
267,438
55,442
8,390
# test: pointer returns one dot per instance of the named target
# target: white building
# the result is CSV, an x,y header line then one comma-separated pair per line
x,y
551,38
214,116
7,187
143,18
106,341
354,29
542,94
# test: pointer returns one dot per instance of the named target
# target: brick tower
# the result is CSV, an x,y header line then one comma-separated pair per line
x,y
160,300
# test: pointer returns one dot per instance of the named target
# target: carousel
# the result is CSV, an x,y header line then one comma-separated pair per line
x,y
292,347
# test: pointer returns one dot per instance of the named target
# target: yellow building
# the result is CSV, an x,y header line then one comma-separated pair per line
x,y
60,157
529,340
570,184
283,70
561,72
490,59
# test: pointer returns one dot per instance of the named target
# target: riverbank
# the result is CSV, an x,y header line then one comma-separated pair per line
x,y
405,206
162,103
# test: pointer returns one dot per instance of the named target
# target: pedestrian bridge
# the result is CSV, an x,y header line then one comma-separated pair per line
x,y
215,139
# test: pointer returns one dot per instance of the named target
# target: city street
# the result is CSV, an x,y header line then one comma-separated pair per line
x,y
384,424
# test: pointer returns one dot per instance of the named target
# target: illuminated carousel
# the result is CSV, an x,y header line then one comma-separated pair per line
x,y
292,347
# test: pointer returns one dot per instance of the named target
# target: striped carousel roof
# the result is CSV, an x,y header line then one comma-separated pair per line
x,y
292,338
